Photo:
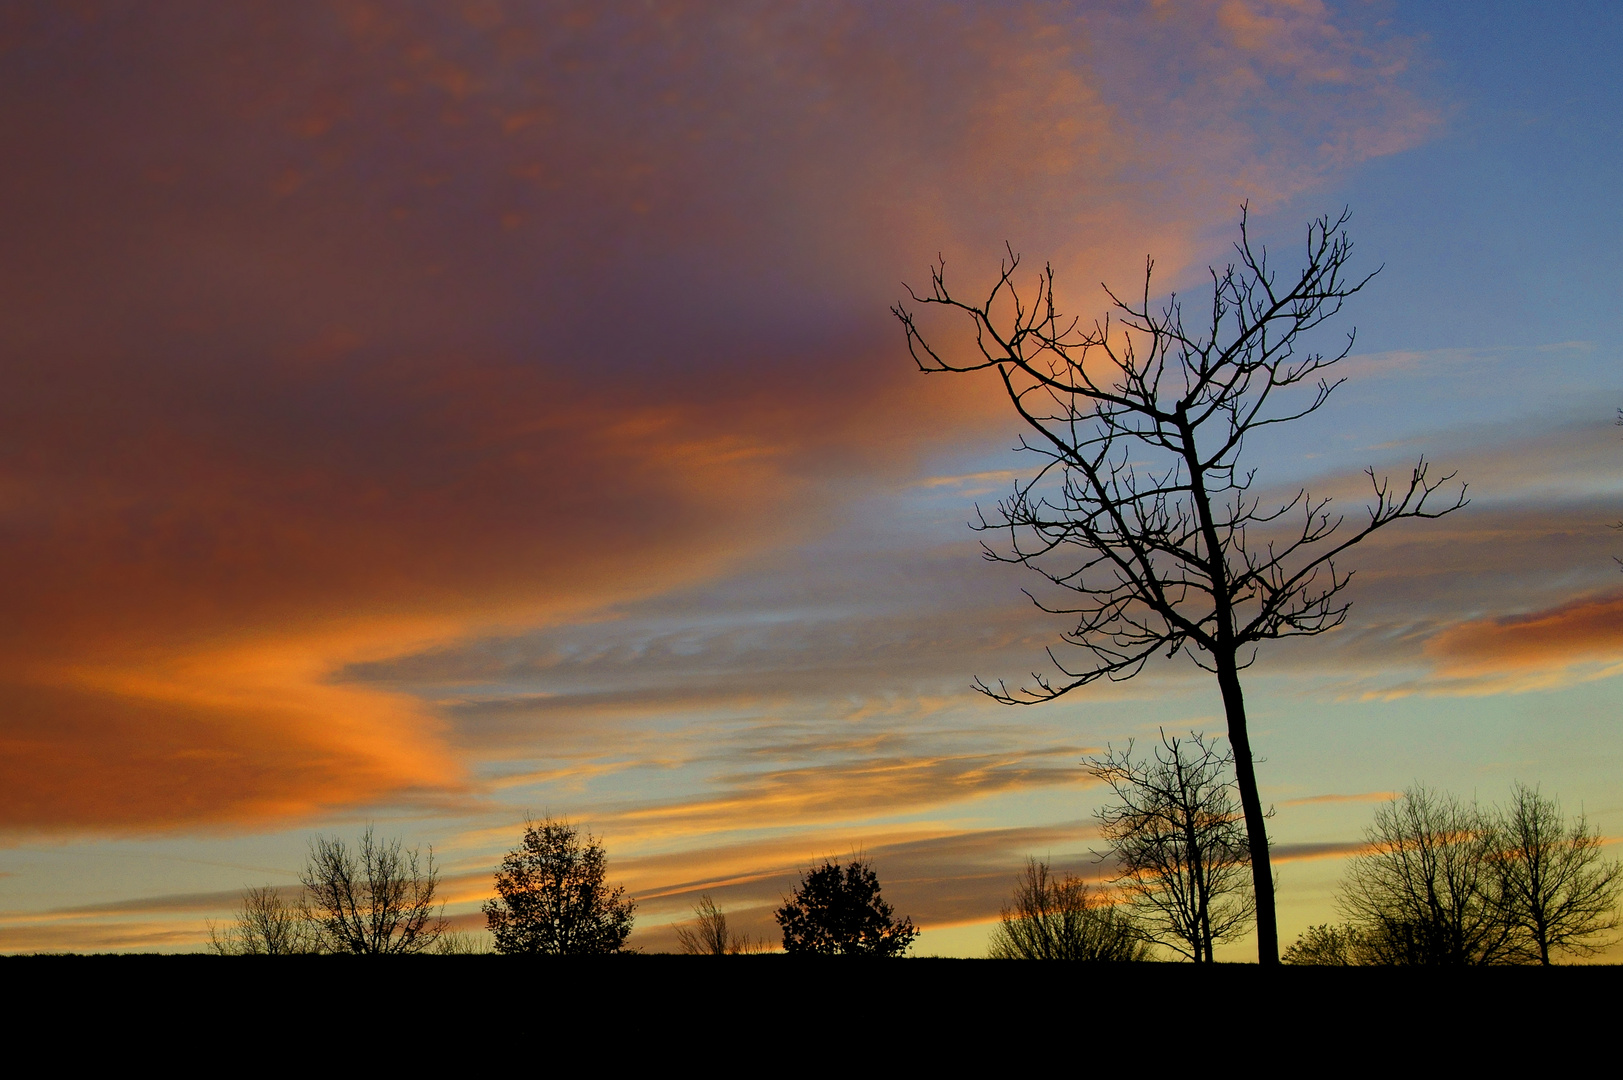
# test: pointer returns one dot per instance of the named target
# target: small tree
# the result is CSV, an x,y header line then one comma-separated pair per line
x,y
552,899
375,900
709,934
266,925
461,943
1554,888
1178,836
1327,945
837,911
1424,891
1141,517
1064,920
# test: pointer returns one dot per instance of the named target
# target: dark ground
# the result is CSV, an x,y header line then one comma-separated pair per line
x,y
634,1005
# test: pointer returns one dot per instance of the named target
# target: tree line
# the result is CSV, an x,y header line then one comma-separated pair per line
x,y
1442,881
1438,882
552,899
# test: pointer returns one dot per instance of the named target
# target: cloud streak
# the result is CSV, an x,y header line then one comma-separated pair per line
x,y
1583,631
821,795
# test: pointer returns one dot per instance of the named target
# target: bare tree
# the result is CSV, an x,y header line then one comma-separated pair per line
x,y
373,900
266,925
1554,888
552,898
1065,919
1179,841
1328,945
710,935
461,943
1142,517
1424,891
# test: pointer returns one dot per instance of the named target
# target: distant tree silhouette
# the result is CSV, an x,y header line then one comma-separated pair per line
x,y
552,898
1142,519
266,925
1425,889
1065,920
837,911
1554,889
460,943
1328,945
1177,833
374,900
709,935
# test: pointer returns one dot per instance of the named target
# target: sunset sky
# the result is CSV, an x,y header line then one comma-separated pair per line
x,y
430,414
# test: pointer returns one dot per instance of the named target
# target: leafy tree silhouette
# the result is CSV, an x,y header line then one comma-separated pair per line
x,y
552,898
837,911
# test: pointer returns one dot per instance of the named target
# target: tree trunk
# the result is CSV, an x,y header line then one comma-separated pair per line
x,y
1197,877
1256,826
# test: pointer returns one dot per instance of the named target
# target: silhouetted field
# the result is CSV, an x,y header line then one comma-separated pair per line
x,y
839,997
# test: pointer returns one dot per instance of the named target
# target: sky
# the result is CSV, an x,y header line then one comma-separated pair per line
x,y
434,414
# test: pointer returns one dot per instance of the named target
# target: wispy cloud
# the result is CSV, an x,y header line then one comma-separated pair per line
x,y
1582,631
1334,849
852,791
1363,796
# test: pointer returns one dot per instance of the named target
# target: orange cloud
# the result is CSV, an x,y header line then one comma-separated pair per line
x,y
77,759
179,615
1585,631
1363,796
339,332
820,795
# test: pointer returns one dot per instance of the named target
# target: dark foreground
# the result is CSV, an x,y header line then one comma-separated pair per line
x,y
626,1002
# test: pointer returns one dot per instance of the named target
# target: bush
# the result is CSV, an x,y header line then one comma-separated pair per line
x,y
1328,945
265,925
1065,920
710,936
837,911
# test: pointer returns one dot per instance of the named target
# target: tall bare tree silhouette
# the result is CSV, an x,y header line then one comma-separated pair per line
x,y
1142,518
